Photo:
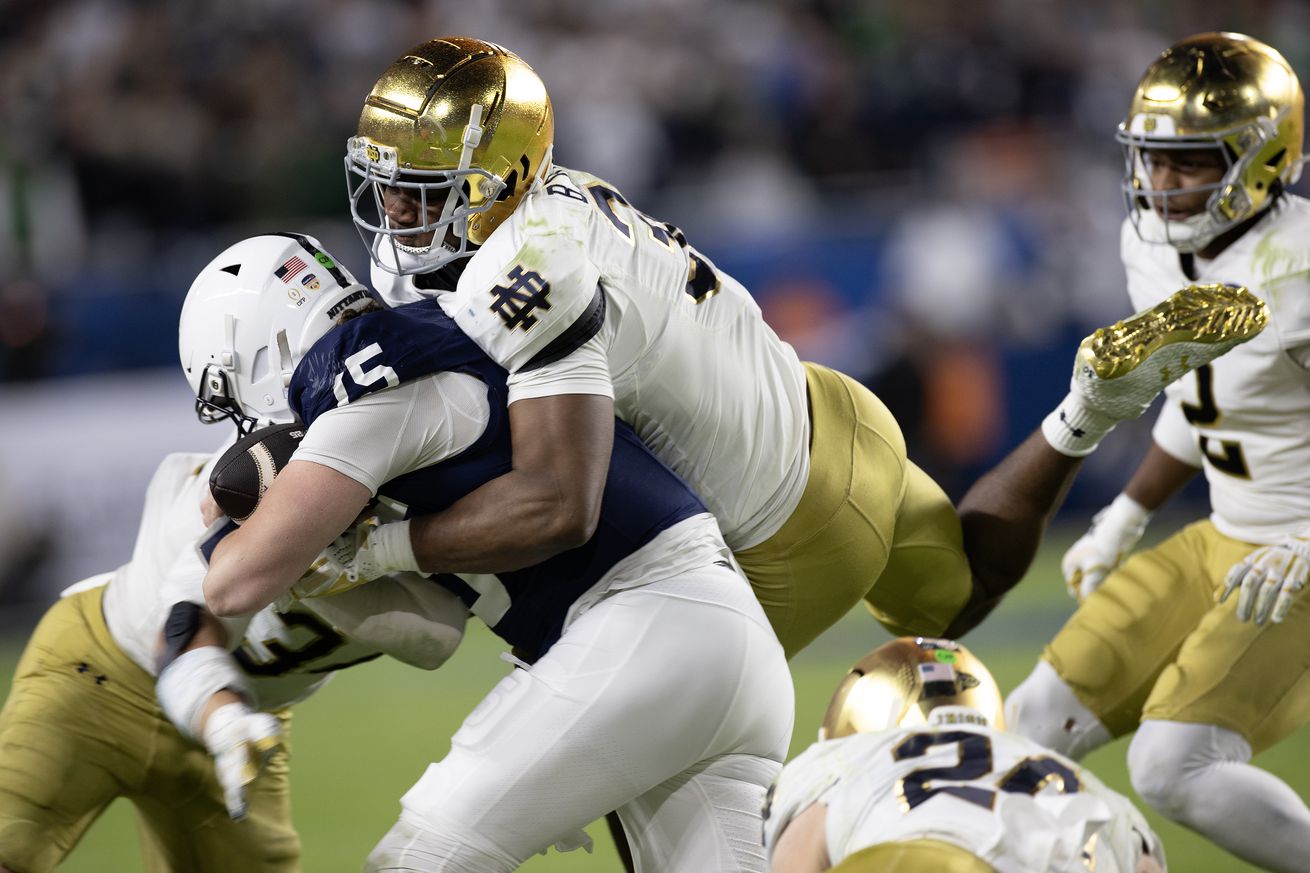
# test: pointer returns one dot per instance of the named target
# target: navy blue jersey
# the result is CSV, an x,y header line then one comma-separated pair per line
x,y
383,349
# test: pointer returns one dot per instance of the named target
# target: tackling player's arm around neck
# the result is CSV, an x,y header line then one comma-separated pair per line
x,y
548,503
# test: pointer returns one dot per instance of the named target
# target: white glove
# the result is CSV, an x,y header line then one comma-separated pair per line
x,y
1114,532
242,742
1269,578
366,552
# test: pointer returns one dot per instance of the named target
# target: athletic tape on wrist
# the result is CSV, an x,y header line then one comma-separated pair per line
x,y
186,685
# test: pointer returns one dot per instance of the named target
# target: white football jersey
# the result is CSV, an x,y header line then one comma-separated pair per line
x,y
1248,410
683,348
1014,804
287,654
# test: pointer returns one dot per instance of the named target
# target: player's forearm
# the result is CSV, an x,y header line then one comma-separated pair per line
x,y
304,510
242,580
1158,478
1004,516
514,521
548,503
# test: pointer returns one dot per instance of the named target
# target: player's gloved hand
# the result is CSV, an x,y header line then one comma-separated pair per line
x,y
1269,579
242,742
362,554
1114,532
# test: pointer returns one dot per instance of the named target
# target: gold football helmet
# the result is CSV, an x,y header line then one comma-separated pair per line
x,y
457,123
1221,91
899,684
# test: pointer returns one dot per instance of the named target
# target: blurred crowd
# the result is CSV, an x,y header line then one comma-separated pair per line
x,y
922,192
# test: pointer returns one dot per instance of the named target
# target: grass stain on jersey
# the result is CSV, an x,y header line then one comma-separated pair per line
x,y
1279,263
1278,266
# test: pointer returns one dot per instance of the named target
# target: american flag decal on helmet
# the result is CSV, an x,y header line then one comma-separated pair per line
x,y
290,269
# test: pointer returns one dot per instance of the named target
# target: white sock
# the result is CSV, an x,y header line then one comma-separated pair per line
x,y
1044,709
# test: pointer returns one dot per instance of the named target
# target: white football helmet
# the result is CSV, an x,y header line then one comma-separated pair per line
x,y
250,316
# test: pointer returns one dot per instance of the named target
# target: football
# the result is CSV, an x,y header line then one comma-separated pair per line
x,y
244,472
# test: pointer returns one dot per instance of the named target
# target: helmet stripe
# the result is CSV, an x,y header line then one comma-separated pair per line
x,y
320,256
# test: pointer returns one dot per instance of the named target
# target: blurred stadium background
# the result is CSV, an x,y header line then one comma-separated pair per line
x,y
923,193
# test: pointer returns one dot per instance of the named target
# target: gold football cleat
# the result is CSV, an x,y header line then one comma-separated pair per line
x,y
1214,317
1122,367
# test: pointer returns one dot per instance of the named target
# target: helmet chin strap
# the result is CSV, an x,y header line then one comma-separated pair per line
x,y
472,136
1191,234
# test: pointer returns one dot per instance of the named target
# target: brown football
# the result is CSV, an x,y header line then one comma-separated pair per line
x,y
245,470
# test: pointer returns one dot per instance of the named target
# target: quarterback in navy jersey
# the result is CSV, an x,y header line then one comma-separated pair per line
x,y
657,687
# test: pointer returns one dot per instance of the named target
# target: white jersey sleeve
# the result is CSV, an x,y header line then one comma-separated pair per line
x,y
383,435
583,371
1247,410
135,606
407,616
1016,806
532,293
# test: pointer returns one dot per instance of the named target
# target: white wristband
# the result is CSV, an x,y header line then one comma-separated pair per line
x,y
391,547
1124,514
191,679
1073,429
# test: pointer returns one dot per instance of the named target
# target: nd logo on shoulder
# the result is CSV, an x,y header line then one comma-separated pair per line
x,y
523,292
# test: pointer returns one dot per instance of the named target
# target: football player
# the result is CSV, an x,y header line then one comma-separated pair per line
x,y
596,308
1212,140
649,680
914,771
82,725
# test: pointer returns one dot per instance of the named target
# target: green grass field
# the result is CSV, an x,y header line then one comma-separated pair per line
x,y
364,739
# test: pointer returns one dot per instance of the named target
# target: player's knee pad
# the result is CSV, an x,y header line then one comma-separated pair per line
x,y
1044,709
413,848
1165,757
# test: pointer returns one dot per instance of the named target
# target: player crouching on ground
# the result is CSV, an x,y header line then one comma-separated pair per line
x,y
913,771
656,686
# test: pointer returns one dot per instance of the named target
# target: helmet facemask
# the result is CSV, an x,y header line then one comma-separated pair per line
x,y
1213,91
217,401
1229,201
462,130
463,192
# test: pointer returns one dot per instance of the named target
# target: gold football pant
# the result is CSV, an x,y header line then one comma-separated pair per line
x,y
81,727
913,856
870,526
1152,643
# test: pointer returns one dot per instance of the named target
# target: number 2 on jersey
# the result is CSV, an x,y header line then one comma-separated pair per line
x,y
1029,776
1228,458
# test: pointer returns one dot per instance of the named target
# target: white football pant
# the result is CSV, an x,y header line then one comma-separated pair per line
x,y
671,703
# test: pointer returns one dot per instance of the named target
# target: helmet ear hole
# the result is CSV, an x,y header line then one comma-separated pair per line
x,y
259,369
286,360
